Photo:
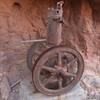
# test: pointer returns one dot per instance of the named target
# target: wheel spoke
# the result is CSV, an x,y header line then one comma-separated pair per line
x,y
71,62
68,55
50,69
68,74
59,59
51,79
60,83
71,74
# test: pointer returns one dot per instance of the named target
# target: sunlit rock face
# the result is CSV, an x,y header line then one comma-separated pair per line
x,y
27,19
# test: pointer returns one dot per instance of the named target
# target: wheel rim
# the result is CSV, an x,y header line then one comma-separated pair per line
x,y
58,70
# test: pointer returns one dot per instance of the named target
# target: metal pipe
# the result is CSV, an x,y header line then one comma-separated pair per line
x,y
37,40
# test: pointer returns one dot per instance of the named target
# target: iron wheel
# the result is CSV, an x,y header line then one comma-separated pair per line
x,y
57,70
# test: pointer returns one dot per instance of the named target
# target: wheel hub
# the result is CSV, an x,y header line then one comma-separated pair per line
x,y
60,70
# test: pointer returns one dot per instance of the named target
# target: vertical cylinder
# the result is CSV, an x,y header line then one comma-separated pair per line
x,y
54,32
54,24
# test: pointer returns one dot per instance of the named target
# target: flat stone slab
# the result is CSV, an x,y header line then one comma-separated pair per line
x,y
27,92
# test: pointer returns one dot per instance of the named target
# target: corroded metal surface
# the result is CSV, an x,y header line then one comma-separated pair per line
x,y
55,16
57,70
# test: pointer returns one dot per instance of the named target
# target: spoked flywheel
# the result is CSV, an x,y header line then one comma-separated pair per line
x,y
57,70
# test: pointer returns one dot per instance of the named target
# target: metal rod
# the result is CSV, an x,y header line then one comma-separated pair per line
x,y
38,40
16,83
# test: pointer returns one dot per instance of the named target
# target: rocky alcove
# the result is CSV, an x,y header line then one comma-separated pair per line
x,y
22,20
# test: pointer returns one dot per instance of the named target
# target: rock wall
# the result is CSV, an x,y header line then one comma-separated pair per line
x,y
26,19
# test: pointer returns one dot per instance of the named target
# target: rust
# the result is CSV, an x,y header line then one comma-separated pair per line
x,y
55,16
53,79
56,69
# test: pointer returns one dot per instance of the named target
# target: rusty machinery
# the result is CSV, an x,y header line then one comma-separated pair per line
x,y
56,69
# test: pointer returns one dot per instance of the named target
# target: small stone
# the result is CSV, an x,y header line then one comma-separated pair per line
x,y
4,88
